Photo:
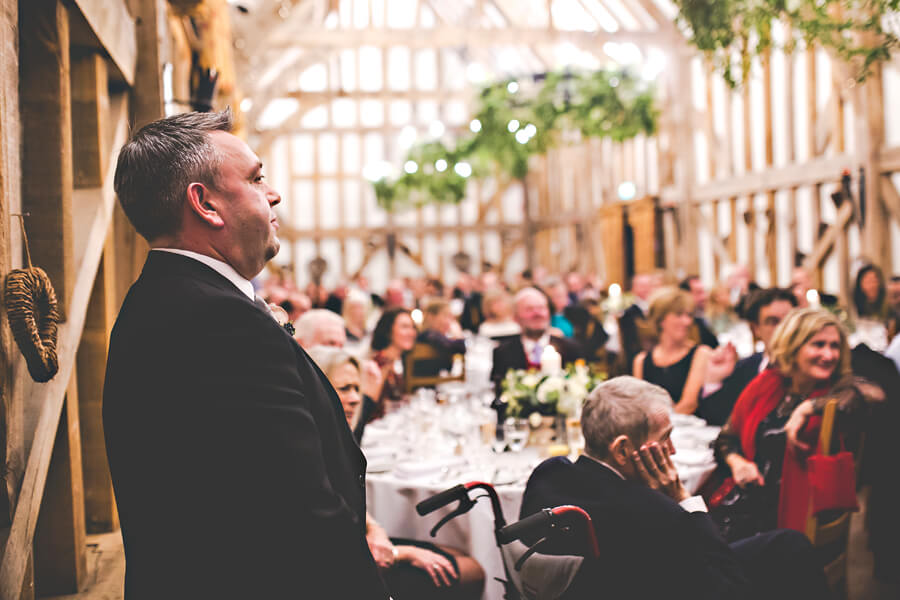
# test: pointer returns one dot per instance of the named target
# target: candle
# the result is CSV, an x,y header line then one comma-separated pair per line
x,y
812,297
551,361
615,296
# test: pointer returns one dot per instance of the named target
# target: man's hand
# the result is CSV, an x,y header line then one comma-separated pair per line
x,y
654,466
721,363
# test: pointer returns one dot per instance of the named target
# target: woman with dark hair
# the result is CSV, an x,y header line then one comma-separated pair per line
x,y
394,334
869,293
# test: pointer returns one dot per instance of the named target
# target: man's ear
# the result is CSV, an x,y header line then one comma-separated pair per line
x,y
204,205
620,450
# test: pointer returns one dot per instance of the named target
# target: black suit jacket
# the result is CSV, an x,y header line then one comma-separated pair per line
x,y
717,407
650,546
511,355
235,473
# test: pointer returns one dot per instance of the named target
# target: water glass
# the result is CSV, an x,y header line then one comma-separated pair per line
x,y
515,432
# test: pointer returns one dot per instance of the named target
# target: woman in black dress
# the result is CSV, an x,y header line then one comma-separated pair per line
x,y
676,362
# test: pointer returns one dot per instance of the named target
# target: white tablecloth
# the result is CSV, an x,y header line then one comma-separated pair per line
x,y
391,499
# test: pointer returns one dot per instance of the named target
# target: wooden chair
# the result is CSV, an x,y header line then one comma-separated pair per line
x,y
831,529
426,352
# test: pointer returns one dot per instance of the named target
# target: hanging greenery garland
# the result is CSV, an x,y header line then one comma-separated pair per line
x,y
732,32
515,120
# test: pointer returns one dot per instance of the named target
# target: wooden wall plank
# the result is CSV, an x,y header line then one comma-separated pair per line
x,y
90,115
47,142
115,29
60,553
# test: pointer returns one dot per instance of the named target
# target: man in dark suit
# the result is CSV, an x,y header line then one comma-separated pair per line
x,y
532,313
655,539
694,286
235,473
631,340
726,376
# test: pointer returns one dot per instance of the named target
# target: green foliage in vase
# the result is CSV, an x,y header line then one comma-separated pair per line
x,y
517,120
732,32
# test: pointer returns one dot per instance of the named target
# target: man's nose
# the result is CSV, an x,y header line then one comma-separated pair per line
x,y
273,196
670,447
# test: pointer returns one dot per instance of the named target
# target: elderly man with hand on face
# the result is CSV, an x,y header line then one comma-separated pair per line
x,y
235,473
532,313
656,540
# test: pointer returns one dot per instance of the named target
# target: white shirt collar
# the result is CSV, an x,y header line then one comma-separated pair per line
x,y
605,464
222,268
528,343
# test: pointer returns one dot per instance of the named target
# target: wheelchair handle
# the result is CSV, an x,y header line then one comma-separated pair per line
x,y
533,523
441,499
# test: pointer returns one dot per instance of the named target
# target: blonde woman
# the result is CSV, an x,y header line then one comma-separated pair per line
x,y
675,363
810,363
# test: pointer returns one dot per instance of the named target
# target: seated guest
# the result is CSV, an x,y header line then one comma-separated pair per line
x,y
437,325
631,338
411,569
801,284
320,327
720,312
676,363
726,376
355,312
498,315
657,541
810,363
704,333
532,313
393,336
558,294
870,294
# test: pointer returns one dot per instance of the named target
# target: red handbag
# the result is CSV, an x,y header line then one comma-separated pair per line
x,y
832,481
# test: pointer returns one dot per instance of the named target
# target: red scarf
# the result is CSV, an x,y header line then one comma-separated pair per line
x,y
755,403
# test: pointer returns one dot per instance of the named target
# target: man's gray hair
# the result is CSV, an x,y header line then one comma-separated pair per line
x,y
307,326
621,406
158,164
527,291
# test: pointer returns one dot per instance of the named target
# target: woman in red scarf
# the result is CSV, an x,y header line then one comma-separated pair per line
x,y
810,363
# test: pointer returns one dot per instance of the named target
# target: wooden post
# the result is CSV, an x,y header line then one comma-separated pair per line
x,y
870,115
47,141
90,115
812,110
11,417
147,94
60,553
685,171
99,503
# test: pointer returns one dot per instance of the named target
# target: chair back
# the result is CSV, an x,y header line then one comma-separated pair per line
x,y
543,576
831,529
426,352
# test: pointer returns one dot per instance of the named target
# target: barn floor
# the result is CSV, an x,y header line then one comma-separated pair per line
x,y
106,568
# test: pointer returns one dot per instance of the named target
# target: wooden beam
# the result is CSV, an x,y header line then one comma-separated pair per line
x,y
90,114
11,407
451,36
815,171
826,242
47,142
114,27
60,552
100,513
50,395
891,196
147,92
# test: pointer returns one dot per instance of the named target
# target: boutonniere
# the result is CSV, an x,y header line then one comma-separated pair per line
x,y
281,317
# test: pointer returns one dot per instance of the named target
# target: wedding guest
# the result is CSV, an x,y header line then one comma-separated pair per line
x,y
870,294
234,475
532,313
558,295
675,362
411,569
810,364
727,376
320,327
393,336
437,328
498,322
656,540
631,331
696,289
355,313
720,313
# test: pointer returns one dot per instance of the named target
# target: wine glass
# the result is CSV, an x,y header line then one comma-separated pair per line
x,y
515,432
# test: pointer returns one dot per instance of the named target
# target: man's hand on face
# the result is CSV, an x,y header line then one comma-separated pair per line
x,y
655,468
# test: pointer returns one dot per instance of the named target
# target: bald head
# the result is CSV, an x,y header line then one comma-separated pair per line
x,y
320,327
532,312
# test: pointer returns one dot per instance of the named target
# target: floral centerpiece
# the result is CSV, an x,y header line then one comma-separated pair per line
x,y
526,393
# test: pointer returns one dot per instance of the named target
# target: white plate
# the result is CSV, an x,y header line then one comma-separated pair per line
x,y
379,466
